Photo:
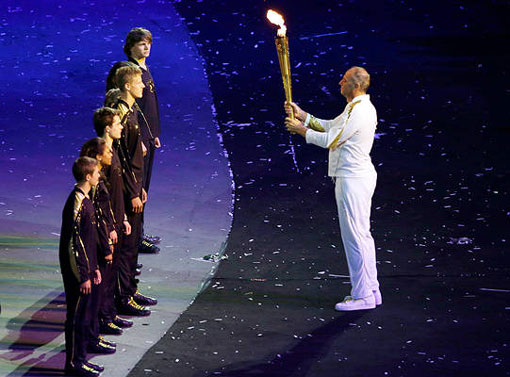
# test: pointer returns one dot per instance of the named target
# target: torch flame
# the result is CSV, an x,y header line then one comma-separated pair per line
x,y
277,19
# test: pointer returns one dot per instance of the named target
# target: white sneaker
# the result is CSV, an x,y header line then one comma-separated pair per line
x,y
350,304
378,297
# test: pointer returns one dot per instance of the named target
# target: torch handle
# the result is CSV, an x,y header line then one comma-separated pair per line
x,y
282,48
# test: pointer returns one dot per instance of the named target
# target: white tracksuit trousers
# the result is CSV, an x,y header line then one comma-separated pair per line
x,y
354,200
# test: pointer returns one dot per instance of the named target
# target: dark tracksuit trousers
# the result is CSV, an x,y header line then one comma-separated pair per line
x,y
127,262
107,310
78,321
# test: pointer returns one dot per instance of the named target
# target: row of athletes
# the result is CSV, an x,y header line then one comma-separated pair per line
x,y
102,221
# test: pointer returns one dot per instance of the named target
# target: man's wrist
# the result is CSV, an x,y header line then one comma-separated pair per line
x,y
307,120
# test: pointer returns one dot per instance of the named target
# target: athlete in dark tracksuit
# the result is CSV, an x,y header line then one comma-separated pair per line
x,y
149,120
130,154
78,263
106,224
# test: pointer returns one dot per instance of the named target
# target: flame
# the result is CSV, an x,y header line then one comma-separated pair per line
x,y
277,19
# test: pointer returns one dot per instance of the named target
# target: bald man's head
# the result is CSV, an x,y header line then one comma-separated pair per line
x,y
360,77
354,83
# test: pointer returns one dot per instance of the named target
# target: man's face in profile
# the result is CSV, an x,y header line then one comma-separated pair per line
x,y
141,50
346,84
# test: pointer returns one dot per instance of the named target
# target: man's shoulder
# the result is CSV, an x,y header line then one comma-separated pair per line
x,y
363,111
122,107
363,105
77,199
81,200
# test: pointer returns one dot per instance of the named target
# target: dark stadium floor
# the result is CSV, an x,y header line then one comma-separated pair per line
x,y
440,212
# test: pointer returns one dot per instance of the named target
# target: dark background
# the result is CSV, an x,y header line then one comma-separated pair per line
x,y
441,209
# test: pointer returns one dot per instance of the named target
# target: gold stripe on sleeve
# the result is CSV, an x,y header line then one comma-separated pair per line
x,y
315,125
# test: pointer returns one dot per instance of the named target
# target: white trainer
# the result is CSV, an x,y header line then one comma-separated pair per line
x,y
378,297
350,304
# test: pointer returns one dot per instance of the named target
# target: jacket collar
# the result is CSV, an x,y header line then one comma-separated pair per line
x,y
134,61
362,97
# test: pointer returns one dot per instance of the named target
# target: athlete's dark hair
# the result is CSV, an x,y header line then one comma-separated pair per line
x,y
83,166
103,117
93,147
134,36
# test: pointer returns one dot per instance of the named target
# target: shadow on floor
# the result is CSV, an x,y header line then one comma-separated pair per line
x,y
298,360
31,332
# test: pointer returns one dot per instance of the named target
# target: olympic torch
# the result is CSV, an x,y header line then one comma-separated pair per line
x,y
282,48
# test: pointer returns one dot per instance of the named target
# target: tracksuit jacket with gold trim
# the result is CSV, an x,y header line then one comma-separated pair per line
x,y
78,238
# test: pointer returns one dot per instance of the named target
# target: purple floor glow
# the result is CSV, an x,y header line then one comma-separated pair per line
x,y
54,60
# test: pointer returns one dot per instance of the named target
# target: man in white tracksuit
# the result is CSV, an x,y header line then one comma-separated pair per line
x,y
349,138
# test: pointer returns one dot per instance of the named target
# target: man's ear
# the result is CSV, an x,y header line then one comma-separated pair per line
x,y
88,177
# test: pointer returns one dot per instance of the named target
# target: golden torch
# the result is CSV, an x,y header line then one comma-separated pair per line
x,y
282,48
